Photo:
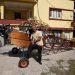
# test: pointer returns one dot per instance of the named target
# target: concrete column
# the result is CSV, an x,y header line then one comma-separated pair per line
x,y
2,12
63,34
71,35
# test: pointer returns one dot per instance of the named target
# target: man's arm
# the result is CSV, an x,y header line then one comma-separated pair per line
x,y
39,38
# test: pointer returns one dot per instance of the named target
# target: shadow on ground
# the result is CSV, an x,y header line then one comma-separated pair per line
x,y
20,54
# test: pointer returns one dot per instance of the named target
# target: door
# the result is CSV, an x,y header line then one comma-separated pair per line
x,y
17,15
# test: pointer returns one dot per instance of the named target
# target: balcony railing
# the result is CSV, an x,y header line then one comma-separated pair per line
x,y
12,21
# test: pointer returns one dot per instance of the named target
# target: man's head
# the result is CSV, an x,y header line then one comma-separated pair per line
x,y
34,28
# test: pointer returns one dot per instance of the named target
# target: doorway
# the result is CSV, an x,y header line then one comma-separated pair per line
x,y
17,15
73,33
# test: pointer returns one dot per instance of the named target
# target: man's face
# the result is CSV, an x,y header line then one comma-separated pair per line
x,y
34,28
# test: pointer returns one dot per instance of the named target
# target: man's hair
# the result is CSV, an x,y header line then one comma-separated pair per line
x,y
30,32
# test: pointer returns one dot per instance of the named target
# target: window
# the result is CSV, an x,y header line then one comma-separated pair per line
x,y
17,15
55,13
57,33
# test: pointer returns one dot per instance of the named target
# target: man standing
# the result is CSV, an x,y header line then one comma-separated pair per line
x,y
37,43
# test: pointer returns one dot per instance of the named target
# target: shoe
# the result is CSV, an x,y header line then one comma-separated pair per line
x,y
40,63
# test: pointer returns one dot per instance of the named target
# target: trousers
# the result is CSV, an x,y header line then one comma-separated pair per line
x,y
39,48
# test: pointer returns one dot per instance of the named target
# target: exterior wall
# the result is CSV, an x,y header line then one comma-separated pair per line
x,y
1,12
43,10
9,14
71,35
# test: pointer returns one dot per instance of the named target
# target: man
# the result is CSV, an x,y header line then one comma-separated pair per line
x,y
5,36
5,31
37,43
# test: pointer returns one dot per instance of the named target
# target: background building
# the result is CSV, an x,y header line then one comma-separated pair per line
x,y
18,9
58,14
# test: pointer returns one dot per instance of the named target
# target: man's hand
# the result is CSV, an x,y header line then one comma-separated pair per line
x,y
35,41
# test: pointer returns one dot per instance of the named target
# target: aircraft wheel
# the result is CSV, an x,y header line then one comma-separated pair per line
x,y
23,63
15,50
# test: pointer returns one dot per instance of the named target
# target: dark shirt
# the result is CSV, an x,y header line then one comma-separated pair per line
x,y
30,32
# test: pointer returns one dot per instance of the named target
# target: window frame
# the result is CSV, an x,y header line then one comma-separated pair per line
x,y
57,13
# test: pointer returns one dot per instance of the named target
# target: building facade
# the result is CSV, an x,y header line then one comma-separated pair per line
x,y
58,14
18,9
73,23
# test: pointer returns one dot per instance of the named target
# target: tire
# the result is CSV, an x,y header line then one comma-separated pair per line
x,y
23,63
15,50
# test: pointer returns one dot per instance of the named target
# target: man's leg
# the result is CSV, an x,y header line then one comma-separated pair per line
x,y
30,48
39,54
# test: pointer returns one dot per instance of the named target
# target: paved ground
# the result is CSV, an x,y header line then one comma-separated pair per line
x,y
9,63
